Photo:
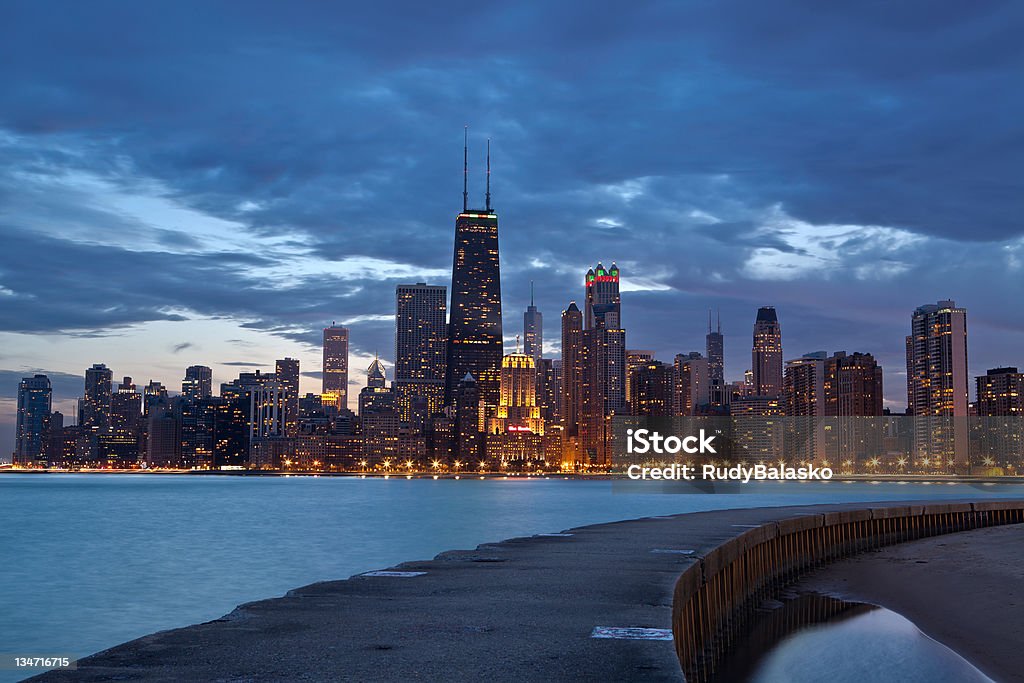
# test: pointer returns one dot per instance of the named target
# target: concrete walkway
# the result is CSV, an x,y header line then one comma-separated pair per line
x,y
520,610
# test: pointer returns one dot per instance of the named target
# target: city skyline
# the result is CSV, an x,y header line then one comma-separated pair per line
x,y
150,238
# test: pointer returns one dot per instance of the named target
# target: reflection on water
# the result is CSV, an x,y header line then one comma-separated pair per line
x,y
858,644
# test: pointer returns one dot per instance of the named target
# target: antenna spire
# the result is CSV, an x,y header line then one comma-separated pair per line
x,y
709,321
531,292
488,197
719,321
465,170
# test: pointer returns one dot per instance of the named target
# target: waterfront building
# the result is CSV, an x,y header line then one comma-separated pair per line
x,y
335,366
378,416
517,403
1000,421
475,343
94,412
937,384
1000,393
766,355
467,431
126,409
287,372
603,362
35,400
421,338
572,372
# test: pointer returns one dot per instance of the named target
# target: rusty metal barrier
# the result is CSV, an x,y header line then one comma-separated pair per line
x,y
717,595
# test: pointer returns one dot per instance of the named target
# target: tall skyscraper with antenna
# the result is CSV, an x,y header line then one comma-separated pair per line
x,y
533,331
474,327
715,346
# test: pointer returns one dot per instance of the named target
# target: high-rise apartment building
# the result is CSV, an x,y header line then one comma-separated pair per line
x,y
635,358
287,372
937,385
35,400
95,406
198,382
853,385
335,368
766,356
603,392
937,361
475,344
421,337
652,389
804,385
572,370
1001,393
691,394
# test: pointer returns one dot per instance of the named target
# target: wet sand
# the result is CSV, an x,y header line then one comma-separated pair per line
x,y
965,590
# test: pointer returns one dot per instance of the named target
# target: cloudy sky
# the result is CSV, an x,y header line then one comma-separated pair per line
x,y
186,183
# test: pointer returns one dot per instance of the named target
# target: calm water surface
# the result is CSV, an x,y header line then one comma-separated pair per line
x,y
878,645
90,561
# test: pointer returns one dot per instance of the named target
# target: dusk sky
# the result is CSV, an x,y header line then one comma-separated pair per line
x,y
213,183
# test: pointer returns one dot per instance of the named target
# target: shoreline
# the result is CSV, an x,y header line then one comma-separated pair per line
x,y
523,607
980,573
602,476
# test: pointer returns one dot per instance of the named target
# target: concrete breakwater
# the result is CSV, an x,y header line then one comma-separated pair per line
x,y
718,595
537,608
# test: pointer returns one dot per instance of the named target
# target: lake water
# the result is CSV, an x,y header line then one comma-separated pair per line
x,y
90,561
878,645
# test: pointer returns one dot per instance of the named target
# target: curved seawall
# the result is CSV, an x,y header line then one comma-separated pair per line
x,y
716,596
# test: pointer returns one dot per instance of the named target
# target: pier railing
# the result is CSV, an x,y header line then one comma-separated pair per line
x,y
716,597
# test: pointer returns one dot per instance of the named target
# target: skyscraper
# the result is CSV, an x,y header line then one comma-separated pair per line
x,y
335,375
652,388
853,385
474,329
715,348
198,382
572,369
937,361
517,408
766,357
126,409
635,358
1000,393
533,331
287,371
603,392
603,297
95,408
937,385
421,336
804,385
692,384
1000,418
35,399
